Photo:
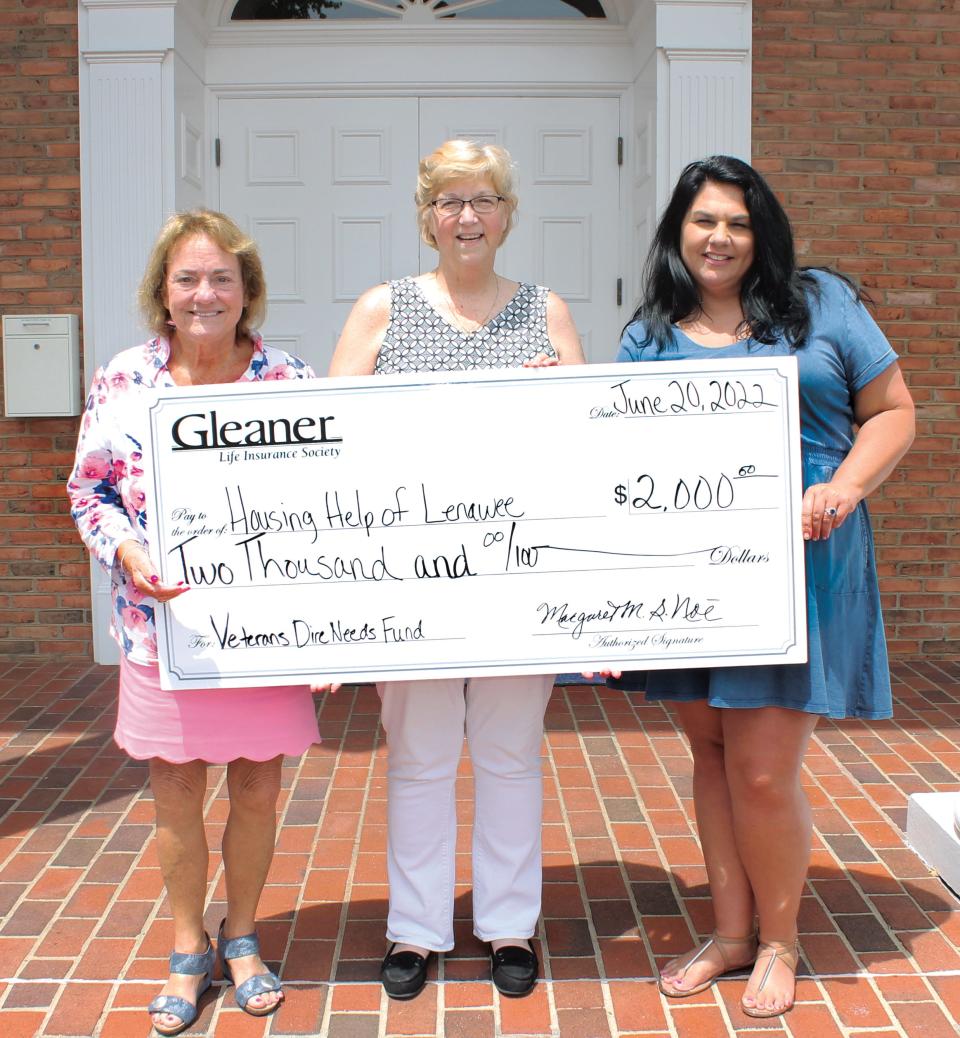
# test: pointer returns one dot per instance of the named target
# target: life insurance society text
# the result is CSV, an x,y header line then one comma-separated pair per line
x,y
653,531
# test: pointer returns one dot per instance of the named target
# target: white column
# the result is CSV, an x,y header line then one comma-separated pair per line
x,y
127,160
123,199
704,88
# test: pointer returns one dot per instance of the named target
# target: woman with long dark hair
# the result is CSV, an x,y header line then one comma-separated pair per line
x,y
722,281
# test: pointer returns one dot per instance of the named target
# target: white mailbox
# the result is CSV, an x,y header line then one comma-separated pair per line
x,y
41,366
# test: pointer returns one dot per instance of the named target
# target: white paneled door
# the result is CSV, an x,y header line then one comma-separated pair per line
x,y
568,222
325,185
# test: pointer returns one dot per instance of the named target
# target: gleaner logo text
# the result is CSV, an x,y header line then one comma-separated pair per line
x,y
198,432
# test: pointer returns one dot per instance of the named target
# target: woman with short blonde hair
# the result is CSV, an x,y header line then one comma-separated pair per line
x,y
459,160
460,316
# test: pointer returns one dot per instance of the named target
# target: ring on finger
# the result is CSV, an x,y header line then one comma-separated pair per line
x,y
831,512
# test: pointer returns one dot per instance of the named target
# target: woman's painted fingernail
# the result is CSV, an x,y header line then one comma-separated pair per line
x,y
154,579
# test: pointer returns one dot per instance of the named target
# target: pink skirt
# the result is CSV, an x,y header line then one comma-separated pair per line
x,y
211,724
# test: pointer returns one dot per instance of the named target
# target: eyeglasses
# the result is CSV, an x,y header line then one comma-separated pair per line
x,y
482,205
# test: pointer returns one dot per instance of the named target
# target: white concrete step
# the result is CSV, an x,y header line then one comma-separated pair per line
x,y
932,820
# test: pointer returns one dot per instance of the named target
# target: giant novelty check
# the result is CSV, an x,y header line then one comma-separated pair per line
x,y
507,522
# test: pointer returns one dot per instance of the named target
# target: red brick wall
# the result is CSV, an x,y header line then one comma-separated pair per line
x,y
44,587
856,122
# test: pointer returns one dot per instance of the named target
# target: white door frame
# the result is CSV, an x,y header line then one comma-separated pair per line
x,y
152,73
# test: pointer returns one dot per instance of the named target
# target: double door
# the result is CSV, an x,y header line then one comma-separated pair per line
x,y
325,185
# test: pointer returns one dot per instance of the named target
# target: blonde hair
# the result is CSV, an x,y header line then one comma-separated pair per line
x,y
226,235
463,160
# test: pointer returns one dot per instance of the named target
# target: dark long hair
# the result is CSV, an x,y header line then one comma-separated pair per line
x,y
774,290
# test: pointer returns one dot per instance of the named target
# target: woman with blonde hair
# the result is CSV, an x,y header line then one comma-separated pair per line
x,y
459,316
202,295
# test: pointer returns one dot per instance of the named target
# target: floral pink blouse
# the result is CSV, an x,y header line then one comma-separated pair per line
x,y
107,487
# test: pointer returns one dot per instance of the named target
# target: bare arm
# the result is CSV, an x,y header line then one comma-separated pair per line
x,y
884,411
563,332
362,335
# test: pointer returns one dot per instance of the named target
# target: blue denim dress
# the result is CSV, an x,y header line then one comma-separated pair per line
x,y
847,674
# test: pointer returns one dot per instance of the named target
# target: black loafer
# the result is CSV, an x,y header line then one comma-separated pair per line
x,y
403,974
514,970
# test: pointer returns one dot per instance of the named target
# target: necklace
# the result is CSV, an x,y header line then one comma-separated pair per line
x,y
455,313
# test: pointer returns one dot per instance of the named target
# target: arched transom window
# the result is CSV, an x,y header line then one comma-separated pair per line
x,y
418,11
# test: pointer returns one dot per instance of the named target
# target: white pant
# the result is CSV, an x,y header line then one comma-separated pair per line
x,y
425,723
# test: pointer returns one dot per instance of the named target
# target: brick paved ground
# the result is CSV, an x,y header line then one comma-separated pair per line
x,y
85,931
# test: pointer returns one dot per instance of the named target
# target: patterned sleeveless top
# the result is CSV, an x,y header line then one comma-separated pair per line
x,y
419,338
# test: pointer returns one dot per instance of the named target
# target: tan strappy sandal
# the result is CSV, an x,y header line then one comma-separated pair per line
x,y
789,955
721,943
